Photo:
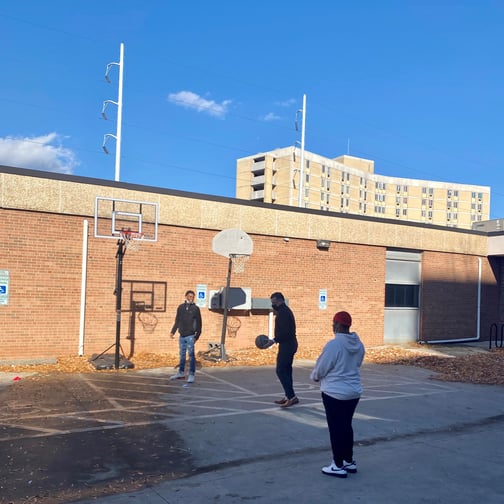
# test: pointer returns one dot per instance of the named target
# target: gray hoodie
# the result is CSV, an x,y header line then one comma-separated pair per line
x,y
338,367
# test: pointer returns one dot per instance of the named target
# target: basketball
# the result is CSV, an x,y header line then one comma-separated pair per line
x,y
262,341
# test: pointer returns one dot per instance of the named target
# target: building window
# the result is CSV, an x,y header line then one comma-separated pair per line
x,y
402,296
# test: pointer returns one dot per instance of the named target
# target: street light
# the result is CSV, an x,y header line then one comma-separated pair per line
x,y
118,103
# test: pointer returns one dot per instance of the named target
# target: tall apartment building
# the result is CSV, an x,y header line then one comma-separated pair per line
x,y
348,184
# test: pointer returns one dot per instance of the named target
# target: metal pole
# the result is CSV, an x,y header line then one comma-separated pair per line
x,y
118,293
119,114
301,162
225,304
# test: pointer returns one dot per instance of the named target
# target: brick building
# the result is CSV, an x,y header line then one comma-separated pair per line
x,y
401,281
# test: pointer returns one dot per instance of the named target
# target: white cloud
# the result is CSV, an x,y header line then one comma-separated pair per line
x,y
38,153
193,101
271,116
286,103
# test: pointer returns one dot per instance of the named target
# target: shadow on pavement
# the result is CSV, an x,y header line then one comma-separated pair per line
x,y
53,454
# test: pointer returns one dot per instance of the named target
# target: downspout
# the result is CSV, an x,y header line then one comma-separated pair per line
x,y
478,317
83,286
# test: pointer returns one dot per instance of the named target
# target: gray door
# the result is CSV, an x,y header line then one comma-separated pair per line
x,y
402,296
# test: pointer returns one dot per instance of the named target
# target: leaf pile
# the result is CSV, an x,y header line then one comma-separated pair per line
x,y
468,364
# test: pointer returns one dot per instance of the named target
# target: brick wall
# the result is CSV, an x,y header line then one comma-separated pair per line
x,y
43,253
450,296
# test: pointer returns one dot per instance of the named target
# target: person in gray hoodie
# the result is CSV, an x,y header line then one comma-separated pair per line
x,y
338,371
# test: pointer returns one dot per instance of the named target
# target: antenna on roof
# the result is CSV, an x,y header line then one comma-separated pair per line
x,y
348,146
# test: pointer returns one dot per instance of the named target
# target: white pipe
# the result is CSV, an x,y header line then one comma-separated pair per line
x,y
301,168
83,286
119,115
478,317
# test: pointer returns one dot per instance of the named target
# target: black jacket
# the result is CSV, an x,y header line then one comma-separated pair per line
x,y
188,320
285,325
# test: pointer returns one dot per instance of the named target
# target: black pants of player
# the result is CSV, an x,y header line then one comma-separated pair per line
x,y
339,416
285,357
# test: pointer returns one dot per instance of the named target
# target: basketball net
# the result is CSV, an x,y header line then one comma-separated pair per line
x,y
239,261
132,239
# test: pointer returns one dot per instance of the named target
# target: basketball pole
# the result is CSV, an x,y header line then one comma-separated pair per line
x,y
118,293
225,314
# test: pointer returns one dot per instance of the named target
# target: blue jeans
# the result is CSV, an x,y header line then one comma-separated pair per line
x,y
186,345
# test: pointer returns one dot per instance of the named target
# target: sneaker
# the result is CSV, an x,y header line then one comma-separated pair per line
x,y
350,467
281,401
179,376
289,402
190,379
334,470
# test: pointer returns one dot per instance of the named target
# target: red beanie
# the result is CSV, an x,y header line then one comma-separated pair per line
x,y
343,318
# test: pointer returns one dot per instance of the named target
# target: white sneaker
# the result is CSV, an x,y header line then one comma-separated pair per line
x,y
190,379
334,470
350,467
179,376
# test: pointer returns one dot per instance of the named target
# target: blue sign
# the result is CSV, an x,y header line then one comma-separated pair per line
x,y
201,295
322,300
4,287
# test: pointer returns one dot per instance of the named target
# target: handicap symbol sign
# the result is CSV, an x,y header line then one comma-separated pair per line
x,y
3,289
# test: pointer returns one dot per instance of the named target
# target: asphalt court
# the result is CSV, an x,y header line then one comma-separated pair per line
x,y
136,398
85,435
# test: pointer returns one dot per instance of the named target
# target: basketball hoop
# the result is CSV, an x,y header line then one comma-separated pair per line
x,y
239,261
131,239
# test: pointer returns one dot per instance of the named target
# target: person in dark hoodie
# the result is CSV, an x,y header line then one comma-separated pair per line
x,y
188,323
285,336
338,371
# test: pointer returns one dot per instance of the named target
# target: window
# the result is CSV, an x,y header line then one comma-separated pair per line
x,y
401,296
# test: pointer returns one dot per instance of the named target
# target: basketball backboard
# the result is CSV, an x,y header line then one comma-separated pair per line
x,y
114,215
232,241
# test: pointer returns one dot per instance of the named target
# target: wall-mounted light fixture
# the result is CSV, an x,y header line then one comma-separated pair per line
x,y
323,244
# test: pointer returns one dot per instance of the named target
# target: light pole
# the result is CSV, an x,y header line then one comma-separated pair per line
x,y
301,161
119,104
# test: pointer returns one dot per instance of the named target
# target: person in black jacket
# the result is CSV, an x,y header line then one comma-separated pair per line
x,y
285,336
188,323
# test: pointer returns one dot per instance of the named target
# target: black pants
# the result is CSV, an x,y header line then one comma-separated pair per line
x,y
339,416
285,357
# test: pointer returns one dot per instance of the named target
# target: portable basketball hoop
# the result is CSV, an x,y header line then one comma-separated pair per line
x,y
237,246
130,223
132,239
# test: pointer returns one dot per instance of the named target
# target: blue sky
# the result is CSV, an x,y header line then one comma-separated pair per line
x,y
415,85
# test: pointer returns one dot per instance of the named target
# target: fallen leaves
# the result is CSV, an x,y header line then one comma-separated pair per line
x,y
483,366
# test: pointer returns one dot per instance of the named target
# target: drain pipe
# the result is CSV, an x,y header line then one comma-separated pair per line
x,y
478,317
83,286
